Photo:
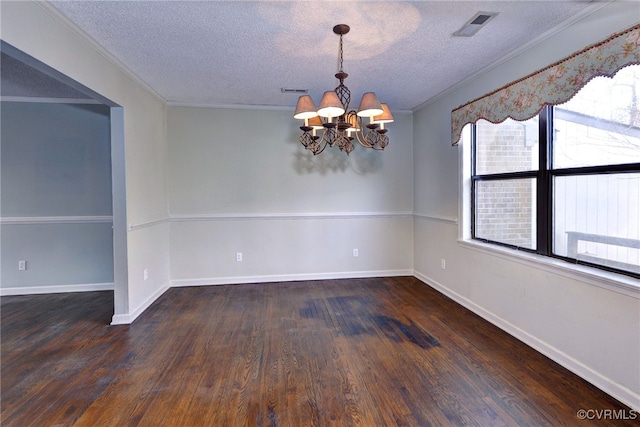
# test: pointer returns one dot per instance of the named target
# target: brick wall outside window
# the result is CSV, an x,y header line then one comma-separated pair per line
x,y
505,209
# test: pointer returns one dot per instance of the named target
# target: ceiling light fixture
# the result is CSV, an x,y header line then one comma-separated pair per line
x,y
341,126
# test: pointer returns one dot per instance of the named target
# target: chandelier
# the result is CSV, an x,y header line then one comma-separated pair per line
x,y
339,126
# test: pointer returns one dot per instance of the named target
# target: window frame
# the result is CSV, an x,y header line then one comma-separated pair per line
x,y
544,177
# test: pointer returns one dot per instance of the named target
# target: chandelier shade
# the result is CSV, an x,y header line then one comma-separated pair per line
x,y
385,117
330,105
347,125
316,122
305,109
369,105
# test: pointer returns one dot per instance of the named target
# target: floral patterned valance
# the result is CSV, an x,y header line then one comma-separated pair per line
x,y
553,85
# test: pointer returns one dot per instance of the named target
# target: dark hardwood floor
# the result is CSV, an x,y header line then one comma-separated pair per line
x,y
370,352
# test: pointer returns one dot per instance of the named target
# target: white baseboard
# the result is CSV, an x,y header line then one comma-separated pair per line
x,y
56,289
126,319
121,319
233,280
618,391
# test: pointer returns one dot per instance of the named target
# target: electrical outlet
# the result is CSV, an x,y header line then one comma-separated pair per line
x,y
355,252
443,264
22,265
239,256
145,273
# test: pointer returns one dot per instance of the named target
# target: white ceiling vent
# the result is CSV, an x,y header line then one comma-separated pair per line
x,y
474,24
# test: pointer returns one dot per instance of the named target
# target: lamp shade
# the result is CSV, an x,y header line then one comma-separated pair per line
x,y
316,122
305,109
385,117
369,105
330,105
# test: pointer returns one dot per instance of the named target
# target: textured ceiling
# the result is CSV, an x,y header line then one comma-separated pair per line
x,y
243,52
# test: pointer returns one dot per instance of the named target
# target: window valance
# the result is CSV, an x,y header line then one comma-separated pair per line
x,y
555,84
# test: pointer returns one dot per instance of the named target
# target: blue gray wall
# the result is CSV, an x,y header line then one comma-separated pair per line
x,y
55,197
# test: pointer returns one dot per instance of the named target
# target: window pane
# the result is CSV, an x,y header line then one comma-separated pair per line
x,y
509,146
505,211
601,124
597,219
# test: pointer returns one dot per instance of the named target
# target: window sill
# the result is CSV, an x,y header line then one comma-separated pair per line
x,y
604,279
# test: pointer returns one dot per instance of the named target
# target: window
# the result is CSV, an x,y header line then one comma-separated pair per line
x,y
566,183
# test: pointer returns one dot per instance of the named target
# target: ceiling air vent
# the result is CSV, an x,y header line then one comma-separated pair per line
x,y
288,90
473,25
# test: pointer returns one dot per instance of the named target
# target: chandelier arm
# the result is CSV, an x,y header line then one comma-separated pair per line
x,y
361,140
316,152
315,144
327,139
361,136
320,143
350,117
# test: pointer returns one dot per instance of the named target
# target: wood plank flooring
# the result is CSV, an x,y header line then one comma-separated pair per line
x,y
368,352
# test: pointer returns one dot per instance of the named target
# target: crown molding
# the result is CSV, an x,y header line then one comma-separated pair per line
x,y
231,106
251,107
80,33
